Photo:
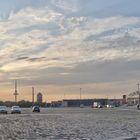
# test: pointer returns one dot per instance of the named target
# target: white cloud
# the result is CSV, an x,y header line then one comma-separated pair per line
x,y
44,32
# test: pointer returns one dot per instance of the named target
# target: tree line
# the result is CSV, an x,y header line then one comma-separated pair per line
x,y
23,103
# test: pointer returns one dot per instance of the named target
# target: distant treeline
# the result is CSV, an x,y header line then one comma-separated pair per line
x,y
22,103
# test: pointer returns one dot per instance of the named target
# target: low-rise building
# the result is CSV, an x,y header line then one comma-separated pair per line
x,y
133,98
132,101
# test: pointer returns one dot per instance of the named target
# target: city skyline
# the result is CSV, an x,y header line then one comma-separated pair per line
x,y
60,46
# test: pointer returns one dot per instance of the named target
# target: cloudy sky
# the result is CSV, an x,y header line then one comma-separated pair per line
x,y
60,46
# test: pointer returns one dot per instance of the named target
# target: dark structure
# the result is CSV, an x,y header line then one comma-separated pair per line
x,y
16,92
124,99
39,98
32,95
56,103
78,102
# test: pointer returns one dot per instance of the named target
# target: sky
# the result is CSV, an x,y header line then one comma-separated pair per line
x,y
60,46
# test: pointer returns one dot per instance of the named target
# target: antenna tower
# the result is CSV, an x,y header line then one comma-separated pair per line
x,y
15,93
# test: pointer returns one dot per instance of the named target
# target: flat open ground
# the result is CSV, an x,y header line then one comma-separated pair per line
x,y
71,124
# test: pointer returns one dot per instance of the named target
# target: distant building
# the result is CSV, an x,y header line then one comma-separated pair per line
x,y
56,103
64,103
88,102
133,98
115,102
39,98
77,102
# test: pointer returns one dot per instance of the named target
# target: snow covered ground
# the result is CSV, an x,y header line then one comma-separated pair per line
x,y
71,124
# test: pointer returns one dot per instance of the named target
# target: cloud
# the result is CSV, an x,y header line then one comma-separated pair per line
x,y
22,58
56,44
37,59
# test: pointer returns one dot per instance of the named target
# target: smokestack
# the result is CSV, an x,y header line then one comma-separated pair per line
x,y
33,95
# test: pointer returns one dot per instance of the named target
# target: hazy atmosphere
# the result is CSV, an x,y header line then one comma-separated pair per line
x,y
60,46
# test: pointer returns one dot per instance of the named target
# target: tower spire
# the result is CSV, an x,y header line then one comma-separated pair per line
x,y
15,93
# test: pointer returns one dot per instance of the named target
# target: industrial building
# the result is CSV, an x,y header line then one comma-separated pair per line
x,y
85,102
88,102
78,102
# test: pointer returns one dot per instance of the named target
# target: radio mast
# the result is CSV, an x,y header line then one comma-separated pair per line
x,y
15,93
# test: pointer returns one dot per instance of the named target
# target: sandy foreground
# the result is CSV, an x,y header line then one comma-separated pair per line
x,y
71,124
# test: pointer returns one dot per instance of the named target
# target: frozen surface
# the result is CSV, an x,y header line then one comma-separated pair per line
x,y
71,124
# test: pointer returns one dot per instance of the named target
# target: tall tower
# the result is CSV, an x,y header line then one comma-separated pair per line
x,y
33,95
15,93
39,97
